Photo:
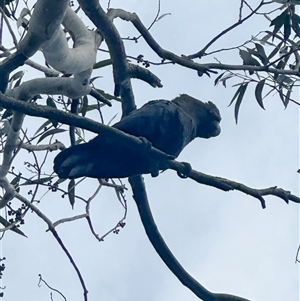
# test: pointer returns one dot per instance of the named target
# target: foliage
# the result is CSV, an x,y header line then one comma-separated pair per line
x,y
269,62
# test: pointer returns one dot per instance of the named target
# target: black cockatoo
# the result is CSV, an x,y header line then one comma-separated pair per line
x,y
168,125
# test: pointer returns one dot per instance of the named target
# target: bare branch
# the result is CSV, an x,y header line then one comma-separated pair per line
x,y
227,185
71,119
33,109
185,61
69,219
51,288
241,20
57,237
41,147
141,200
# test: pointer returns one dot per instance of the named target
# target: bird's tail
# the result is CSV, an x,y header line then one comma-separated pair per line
x,y
73,162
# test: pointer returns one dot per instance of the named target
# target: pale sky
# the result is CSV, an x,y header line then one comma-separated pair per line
x,y
224,239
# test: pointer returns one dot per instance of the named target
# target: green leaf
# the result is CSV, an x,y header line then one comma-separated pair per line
x,y
37,181
24,12
278,22
71,192
238,91
92,107
50,132
239,101
287,97
258,92
162,16
275,51
218,78
248,59
281,95
45,124
59,181
3,4
111,120
287,27
280,65
262,54
102,64
84,106
225,78
17,75
94,78
107,95
264,40
295,24
50,103
18,82
6,223
284,81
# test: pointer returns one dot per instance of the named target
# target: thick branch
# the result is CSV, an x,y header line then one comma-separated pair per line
x,y
47,15
47,112
83,54
185,61
115,45
88,124
164,252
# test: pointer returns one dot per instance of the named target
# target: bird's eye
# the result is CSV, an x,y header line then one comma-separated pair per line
x,y
213,115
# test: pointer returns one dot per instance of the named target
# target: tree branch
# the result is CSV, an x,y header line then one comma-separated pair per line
x,y
88,124
47,14
164,252
42,147
185,61
145,75
57,237
115,45
227,185
47,112
200,53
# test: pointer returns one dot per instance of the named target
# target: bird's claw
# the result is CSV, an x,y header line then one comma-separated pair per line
x,y
186,171
146,144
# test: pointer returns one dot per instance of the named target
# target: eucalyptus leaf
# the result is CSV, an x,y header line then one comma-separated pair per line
x,y
71,192
258,92
6,223
49,133
239,101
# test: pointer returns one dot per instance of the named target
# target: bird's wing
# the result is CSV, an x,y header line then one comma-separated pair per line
x,y
161,122
144,122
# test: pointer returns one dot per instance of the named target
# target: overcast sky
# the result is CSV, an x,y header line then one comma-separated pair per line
x,y
225,240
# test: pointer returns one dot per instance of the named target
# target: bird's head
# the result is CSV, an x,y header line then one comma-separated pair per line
x,y
206,115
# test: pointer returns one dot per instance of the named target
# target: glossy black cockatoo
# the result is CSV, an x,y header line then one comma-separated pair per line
x,y
168,125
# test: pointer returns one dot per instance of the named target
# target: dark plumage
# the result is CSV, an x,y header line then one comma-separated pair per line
x,y
168,125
